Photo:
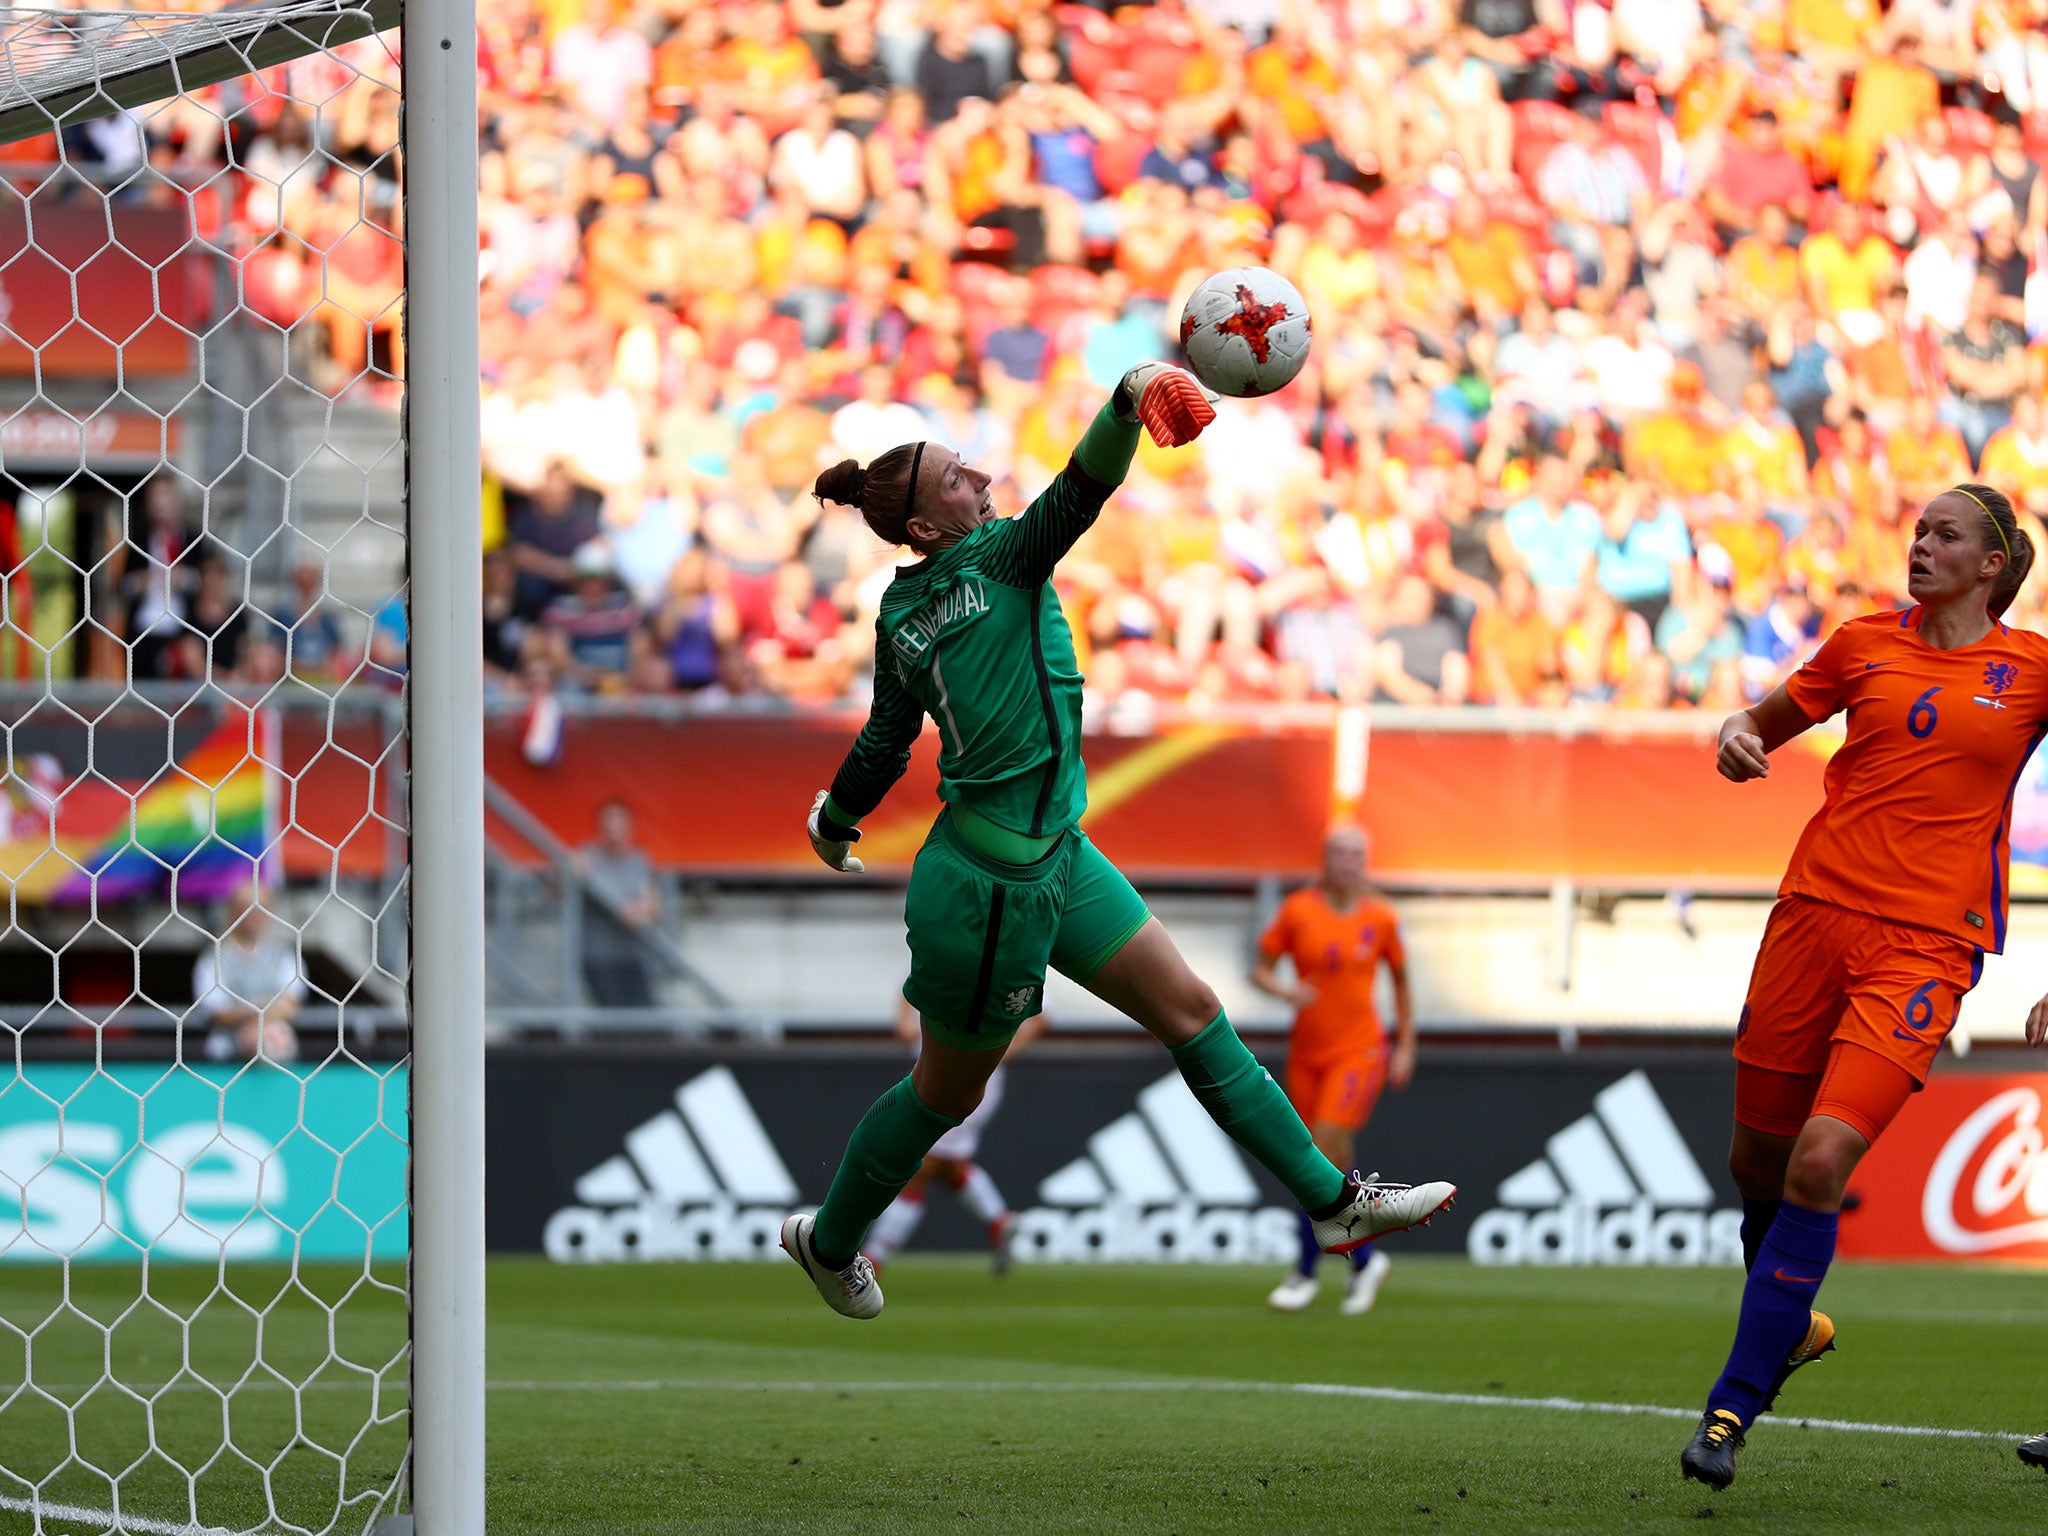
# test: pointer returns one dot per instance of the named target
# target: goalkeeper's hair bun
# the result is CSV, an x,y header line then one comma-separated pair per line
x,y
881,492
845,482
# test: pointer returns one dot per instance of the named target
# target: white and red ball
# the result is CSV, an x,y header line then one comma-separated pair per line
x,y
1245,331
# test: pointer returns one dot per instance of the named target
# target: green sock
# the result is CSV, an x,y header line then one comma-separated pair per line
x,y
1242,1097
881,1155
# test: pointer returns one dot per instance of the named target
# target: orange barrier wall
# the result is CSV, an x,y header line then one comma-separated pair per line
x,y
1463,808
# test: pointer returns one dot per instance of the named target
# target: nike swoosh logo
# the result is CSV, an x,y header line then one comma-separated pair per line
x,y
1779,1274
1872,666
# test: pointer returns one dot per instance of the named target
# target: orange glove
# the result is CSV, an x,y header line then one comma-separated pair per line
x,y
1170,401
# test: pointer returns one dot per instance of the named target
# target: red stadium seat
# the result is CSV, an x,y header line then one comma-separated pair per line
x,y
1970,130
1311,200
1066,288
1118,81
1079,18
1640,131
977,320
1117,161
1089,60
975,282
1095,44
1157,67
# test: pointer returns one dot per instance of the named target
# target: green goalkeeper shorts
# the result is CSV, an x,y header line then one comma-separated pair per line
x,y
983,932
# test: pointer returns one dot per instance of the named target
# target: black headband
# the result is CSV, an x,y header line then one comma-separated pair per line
x,y
910,500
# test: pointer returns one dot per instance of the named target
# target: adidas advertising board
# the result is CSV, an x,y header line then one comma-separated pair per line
x,y
608,1153
1158,1184
1616,1186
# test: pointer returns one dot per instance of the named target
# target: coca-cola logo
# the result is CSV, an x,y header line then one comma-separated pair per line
x,y
1988,1188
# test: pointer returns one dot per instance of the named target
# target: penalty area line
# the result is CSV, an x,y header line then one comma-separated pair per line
x,y
1284,1388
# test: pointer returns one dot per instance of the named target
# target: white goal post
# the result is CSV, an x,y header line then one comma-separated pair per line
x,y
64,73
444,516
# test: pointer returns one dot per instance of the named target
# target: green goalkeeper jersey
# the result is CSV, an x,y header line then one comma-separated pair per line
x,y
973,636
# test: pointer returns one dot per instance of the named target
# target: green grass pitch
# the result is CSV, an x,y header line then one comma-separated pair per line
x,y
656,1399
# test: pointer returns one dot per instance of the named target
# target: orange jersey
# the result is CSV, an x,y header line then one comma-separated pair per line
x,y
1338,954
1919,798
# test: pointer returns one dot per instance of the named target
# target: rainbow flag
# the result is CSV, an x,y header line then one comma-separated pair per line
x,y
204,827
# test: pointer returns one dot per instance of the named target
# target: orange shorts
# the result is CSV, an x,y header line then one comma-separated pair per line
x,y
1336,1090
1827,978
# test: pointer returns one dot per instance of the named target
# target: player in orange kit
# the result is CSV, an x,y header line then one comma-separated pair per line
x,y
1894,895
1337,935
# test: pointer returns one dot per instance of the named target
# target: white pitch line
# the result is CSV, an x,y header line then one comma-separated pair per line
x,y
79,1515
1292,1388
397,1392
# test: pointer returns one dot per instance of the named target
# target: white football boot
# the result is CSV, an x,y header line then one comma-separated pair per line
x,y
1364,1288
851,1292
1377,1209
1294,1293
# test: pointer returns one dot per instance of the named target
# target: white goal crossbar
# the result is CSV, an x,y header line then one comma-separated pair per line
x,y
138,57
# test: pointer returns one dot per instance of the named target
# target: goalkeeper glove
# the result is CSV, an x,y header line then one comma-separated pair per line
x,y
830,841
1171,402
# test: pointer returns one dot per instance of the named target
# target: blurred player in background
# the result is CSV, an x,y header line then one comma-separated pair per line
x,y
951,1165
1007,884
1338,935
1895,893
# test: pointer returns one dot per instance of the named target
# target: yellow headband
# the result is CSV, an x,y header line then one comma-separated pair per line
x,y
1995,528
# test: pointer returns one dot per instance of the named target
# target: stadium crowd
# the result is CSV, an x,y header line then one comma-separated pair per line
x,y
1642,328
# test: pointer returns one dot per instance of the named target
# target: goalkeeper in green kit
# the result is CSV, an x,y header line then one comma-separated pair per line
x,y
1007,883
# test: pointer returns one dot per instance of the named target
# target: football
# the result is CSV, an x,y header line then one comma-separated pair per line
x,y
1245,331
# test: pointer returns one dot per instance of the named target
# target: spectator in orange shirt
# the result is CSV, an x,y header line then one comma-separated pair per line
x,y
1875,554
1514,649
1763,271
1289,78
1818,557
1752,541
1337,272
1832,33
1893,92
1926,454
769,68
1885,375
1845,267
1490,258
1602,647
2016,458
1763,443
1855,471
1675,447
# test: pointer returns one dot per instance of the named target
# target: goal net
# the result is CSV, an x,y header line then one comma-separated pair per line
x,y
205,653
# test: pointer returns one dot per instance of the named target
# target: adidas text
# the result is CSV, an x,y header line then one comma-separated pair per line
x,y
1158,1185
700,1181
1617,1186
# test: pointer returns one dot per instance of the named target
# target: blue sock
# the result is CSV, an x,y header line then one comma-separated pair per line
x,y
1777,1301
1311,1250
1360,1257
1757,1216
